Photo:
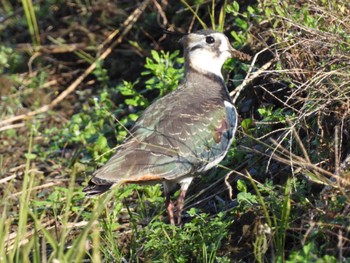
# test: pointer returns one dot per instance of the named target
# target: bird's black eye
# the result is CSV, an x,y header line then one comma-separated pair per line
x,y
209,40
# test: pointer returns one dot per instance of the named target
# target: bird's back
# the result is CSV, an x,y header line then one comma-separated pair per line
x,y
186,132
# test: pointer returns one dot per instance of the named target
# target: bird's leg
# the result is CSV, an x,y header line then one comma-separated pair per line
x,y
180,205
170,207
185,183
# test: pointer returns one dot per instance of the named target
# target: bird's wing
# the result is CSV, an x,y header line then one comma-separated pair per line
x,y
172,138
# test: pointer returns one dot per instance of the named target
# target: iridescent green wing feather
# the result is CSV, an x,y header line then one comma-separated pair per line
x,y
171,139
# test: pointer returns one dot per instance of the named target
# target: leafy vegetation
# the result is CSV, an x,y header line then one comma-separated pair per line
x,y
87,71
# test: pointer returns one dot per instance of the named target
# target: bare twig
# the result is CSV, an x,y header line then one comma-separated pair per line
x,y
10,239
7,178
301,163
227,183
250,77
63,48
39,187
12,126
161,12
300,143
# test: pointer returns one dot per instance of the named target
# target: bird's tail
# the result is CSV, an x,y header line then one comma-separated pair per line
x,y
97,186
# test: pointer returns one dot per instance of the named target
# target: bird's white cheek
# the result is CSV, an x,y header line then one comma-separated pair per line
x,y
205,61
202,58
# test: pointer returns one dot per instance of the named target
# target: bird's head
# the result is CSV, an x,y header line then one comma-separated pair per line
x,y
207,50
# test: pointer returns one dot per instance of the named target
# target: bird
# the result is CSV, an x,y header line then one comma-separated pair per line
x,y
183,134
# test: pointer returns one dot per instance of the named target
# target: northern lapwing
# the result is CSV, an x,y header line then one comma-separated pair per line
x,y
182,134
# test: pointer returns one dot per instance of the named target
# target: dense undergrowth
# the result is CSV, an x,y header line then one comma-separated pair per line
x,y
75,76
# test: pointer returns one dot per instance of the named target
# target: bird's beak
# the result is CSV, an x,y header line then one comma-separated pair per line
x,y
239,55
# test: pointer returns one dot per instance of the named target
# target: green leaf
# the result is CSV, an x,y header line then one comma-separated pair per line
x,y
268,12
236,37
241,23
155,55
102,142
30,156
241,186
250,10
247,124
246,197
235,6
280,11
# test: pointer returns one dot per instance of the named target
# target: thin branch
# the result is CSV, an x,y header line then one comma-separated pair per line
x,y
12,126
299,141
250,77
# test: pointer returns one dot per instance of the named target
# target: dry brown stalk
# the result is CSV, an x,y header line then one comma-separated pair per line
x,y
39,187
283,155
43,49
10,239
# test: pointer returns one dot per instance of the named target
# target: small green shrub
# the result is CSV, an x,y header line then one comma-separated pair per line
x,y
165,71
197,241
309,253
